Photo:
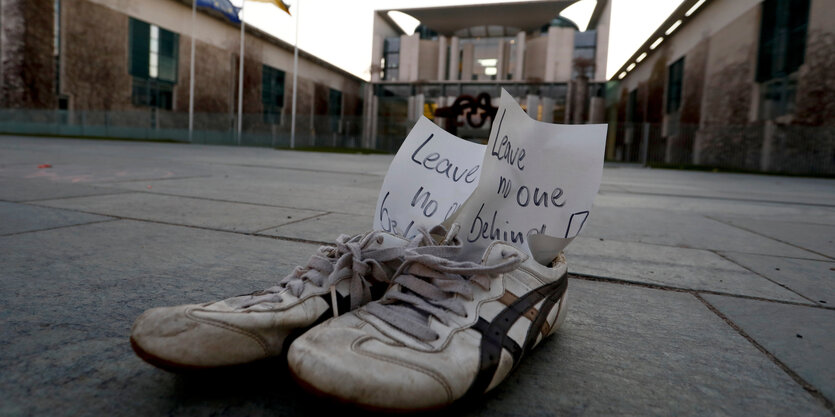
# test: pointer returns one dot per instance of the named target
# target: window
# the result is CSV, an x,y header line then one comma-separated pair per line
x,y
153,64
585,49
675,76
391,58
781,52
272,93
632,114
334,108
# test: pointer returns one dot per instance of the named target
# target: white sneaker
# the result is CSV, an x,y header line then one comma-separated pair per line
x,y
251,327
445,330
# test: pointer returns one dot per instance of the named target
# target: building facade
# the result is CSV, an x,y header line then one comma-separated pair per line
x,y
125,65
741,84
556,71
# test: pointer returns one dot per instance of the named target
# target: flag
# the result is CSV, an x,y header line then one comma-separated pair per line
x,y
225,8
278,3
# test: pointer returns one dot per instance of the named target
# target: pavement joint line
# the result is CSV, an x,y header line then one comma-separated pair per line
x,y
708,249
294,239
619,281
115,192
770,237
299,169
156,179
292,222
751,200
139,192
762,275
114,217
811,389
234,202
60,227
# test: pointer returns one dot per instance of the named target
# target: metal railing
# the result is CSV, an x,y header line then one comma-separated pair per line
x,y
758,147
209,128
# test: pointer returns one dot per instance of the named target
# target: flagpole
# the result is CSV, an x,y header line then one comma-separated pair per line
x,y
191,74
295,78
241,75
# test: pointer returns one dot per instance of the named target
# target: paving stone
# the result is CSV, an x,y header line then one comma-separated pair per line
x,y
627,350
18,190
686,230
18,218
803,338
813,279
818,238
324,228
694,269
238,217
72,295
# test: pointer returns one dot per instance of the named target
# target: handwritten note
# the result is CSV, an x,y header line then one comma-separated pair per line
x,y
537,184
428,180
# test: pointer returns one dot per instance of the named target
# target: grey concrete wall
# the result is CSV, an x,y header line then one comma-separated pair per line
x,y
28,68
728,95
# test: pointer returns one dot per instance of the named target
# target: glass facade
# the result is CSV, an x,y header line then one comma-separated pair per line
x,y
153,64
781,52
585,50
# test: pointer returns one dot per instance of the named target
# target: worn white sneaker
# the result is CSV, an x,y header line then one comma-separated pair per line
x,y
250,327
445,330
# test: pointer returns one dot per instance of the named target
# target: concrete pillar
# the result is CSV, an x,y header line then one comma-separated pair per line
x,y
518,72
420,99
597,110
442,63
376,57
409,57
548,109
579,97
551,55
453,58
500,64
533,106
467,51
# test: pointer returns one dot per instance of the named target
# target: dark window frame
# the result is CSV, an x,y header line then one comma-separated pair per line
x,y
391,59
675,85
782,48
581,46
152,90
272,93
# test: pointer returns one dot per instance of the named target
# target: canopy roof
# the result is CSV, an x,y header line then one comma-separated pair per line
x,y
527,16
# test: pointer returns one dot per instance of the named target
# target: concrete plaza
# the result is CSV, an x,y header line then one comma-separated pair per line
x,y
694,293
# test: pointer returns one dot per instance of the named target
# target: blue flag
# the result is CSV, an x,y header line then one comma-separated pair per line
x,y
225,7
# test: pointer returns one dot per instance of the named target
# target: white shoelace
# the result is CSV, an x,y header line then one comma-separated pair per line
x,y
430,284
350,258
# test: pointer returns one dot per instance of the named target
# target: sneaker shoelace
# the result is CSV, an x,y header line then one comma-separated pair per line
x,y
350,257
433,285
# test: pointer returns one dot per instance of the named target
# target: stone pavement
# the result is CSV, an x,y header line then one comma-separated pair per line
x,y
694,293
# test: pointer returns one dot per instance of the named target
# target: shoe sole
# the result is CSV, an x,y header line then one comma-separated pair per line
x,y
165,364
460,402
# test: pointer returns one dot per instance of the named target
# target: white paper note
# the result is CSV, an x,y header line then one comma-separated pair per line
x,y
537,184
429,178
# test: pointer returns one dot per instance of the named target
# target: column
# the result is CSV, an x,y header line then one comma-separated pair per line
x,y
453,58
520,57
442,63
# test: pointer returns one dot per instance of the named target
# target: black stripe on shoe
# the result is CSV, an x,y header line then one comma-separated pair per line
x,y
494,335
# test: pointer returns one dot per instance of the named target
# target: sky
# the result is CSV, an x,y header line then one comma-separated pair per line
x,y
340,31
